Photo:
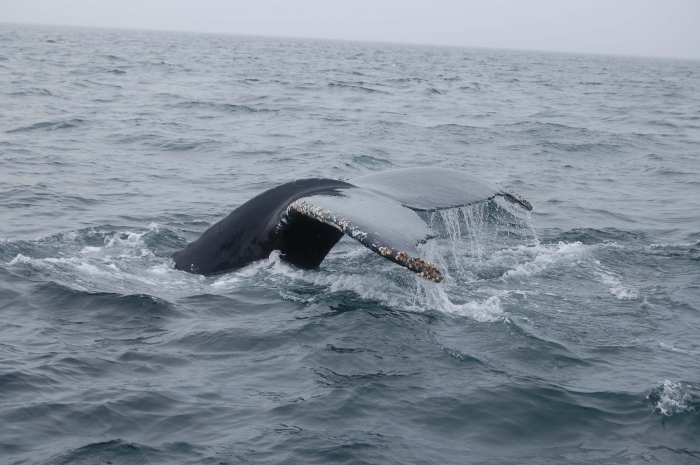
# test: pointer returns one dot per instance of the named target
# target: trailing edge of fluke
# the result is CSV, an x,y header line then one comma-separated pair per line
x,y
304,219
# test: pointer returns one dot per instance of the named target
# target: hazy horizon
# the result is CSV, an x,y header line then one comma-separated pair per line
x,y
630,28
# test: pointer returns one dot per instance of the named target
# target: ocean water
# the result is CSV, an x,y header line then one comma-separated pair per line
x,y
568,335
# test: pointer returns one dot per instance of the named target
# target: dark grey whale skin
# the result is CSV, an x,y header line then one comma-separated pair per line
x,y
250,232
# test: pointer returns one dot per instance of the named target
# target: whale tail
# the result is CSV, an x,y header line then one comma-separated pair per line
x,y
305,219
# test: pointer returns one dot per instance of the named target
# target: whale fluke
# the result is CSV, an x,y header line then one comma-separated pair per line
x,y
304,219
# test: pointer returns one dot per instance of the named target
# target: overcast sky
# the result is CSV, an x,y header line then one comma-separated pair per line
x,y
666,28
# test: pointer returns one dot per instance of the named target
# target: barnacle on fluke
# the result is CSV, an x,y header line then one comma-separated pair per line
x,y
512,197
425,269
304,219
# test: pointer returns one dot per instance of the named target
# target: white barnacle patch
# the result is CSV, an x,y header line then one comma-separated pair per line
x,y
358,235
401,256
300,207
319,214
384,251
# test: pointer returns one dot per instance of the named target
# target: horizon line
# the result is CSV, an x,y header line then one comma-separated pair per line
x,y
363,41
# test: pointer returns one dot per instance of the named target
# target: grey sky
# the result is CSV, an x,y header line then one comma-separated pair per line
x,y
668,28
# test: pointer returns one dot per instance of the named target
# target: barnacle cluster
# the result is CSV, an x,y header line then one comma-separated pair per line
x,y
425,269
300,207
384,251
401,256
318,213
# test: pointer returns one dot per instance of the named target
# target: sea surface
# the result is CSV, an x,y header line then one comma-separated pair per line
x,y
568,335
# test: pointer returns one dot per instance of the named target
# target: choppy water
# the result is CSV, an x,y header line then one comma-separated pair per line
x,y
568,336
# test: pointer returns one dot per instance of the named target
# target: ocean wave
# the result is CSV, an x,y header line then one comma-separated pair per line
x,y
370,161
225,107
356,86
122,451
49,126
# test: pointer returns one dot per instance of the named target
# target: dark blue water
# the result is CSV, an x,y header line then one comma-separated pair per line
x,y
571,335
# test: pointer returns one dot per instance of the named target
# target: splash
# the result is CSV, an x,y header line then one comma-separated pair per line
x,y
99,260
470,246
671,398
470,240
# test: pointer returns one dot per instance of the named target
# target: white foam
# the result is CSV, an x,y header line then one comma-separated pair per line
x,y
676,349
19,259
488,310
75,262
159,269
425,296
544,256
665,245
124,264
88,268
624,293
226,282
507,292
618,290
131,239
89,249
671,398
430,296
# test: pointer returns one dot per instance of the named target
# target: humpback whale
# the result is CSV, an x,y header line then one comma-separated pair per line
x,y
304,219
